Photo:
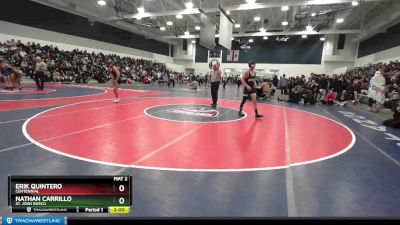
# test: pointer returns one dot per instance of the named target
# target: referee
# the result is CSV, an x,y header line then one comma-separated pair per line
x,y
39,73
215,79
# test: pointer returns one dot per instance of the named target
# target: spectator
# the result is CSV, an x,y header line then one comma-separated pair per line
x,y
357,86
342,99
78,65
336,84
330,97
308,96
323,85
193,85
294,96
283,84
376,92
395,122
275,81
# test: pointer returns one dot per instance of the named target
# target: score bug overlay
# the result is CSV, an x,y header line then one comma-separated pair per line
x,y
74,194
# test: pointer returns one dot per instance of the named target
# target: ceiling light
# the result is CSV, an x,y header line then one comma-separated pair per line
x,y
313,14
187,33
309,28
101,2
250,1
285,23
169,23
237,25
303,36
140,10
339,20
285,8
179,16
257,18
228,12
251,40
197,27
265,38
322,39
189,5
162,28
193,42
354,3
262,30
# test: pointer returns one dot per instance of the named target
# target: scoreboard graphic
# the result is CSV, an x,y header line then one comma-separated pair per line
x,y
70,194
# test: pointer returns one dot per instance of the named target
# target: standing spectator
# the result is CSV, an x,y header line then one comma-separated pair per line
x,y
181,78
323,85
357,86
335,84
376,92
238,81
224,80
283,84
275,81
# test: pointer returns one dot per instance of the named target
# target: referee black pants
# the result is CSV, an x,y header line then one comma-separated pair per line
x,y
39,79
214,92
171,81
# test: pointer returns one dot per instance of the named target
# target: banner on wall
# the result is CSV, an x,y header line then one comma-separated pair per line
x,y
214,54
236,55
229,56
233,55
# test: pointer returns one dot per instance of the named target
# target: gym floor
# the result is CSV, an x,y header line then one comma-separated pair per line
x,y
188,160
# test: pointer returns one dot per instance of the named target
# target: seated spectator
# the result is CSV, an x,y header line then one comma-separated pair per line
x,y
342,99
308,96
79,66
262,89
395,122
266,89
392,103
294,96
193,85
329,98
146,80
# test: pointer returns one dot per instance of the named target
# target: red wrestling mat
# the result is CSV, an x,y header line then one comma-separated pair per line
x,y
184,134
29,103
26,91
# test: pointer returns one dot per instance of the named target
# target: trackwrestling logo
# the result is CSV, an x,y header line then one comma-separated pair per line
x,y
196,111
15,220
193,113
